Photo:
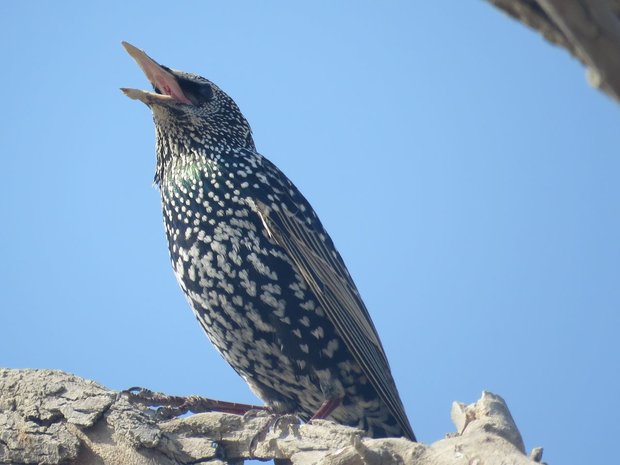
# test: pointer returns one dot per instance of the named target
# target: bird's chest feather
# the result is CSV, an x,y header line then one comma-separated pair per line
x,y
244,289
236,279
212,230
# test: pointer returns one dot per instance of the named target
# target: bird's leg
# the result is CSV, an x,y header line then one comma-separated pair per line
x,y
174,406
326,408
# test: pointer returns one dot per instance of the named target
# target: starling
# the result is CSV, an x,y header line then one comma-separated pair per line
x,y
259,270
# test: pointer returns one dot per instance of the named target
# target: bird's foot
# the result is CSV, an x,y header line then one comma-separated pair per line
x,y
173,406
258,412
276,420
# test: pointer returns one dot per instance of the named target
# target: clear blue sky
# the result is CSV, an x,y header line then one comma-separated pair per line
x,y
465,170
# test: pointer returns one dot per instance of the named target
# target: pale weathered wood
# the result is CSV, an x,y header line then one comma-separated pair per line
x,y
588,29
54,418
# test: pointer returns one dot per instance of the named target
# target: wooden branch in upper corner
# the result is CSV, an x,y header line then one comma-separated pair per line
x,y
588,29
54,418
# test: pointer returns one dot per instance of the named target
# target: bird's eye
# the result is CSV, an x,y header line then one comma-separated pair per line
x,y
198,93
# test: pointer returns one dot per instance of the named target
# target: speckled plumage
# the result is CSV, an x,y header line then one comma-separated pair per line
x,y
258,269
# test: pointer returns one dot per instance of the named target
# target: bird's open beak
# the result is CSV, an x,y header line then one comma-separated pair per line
x,y
162,79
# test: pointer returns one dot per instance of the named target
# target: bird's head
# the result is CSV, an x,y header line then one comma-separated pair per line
x,y
189,109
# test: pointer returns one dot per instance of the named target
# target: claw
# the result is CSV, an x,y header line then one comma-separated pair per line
x,y
272,423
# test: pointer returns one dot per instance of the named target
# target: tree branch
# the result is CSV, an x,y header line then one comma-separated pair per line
x,y
588,29
53,418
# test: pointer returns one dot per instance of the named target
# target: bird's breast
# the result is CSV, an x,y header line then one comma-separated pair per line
x,y
244,288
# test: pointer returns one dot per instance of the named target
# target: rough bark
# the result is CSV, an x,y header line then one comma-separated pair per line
x,y
51,417
588,29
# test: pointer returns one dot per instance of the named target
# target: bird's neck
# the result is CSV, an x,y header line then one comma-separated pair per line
x,y
179,158
180,151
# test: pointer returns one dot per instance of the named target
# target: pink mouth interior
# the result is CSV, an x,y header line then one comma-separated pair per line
x,y
167,84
